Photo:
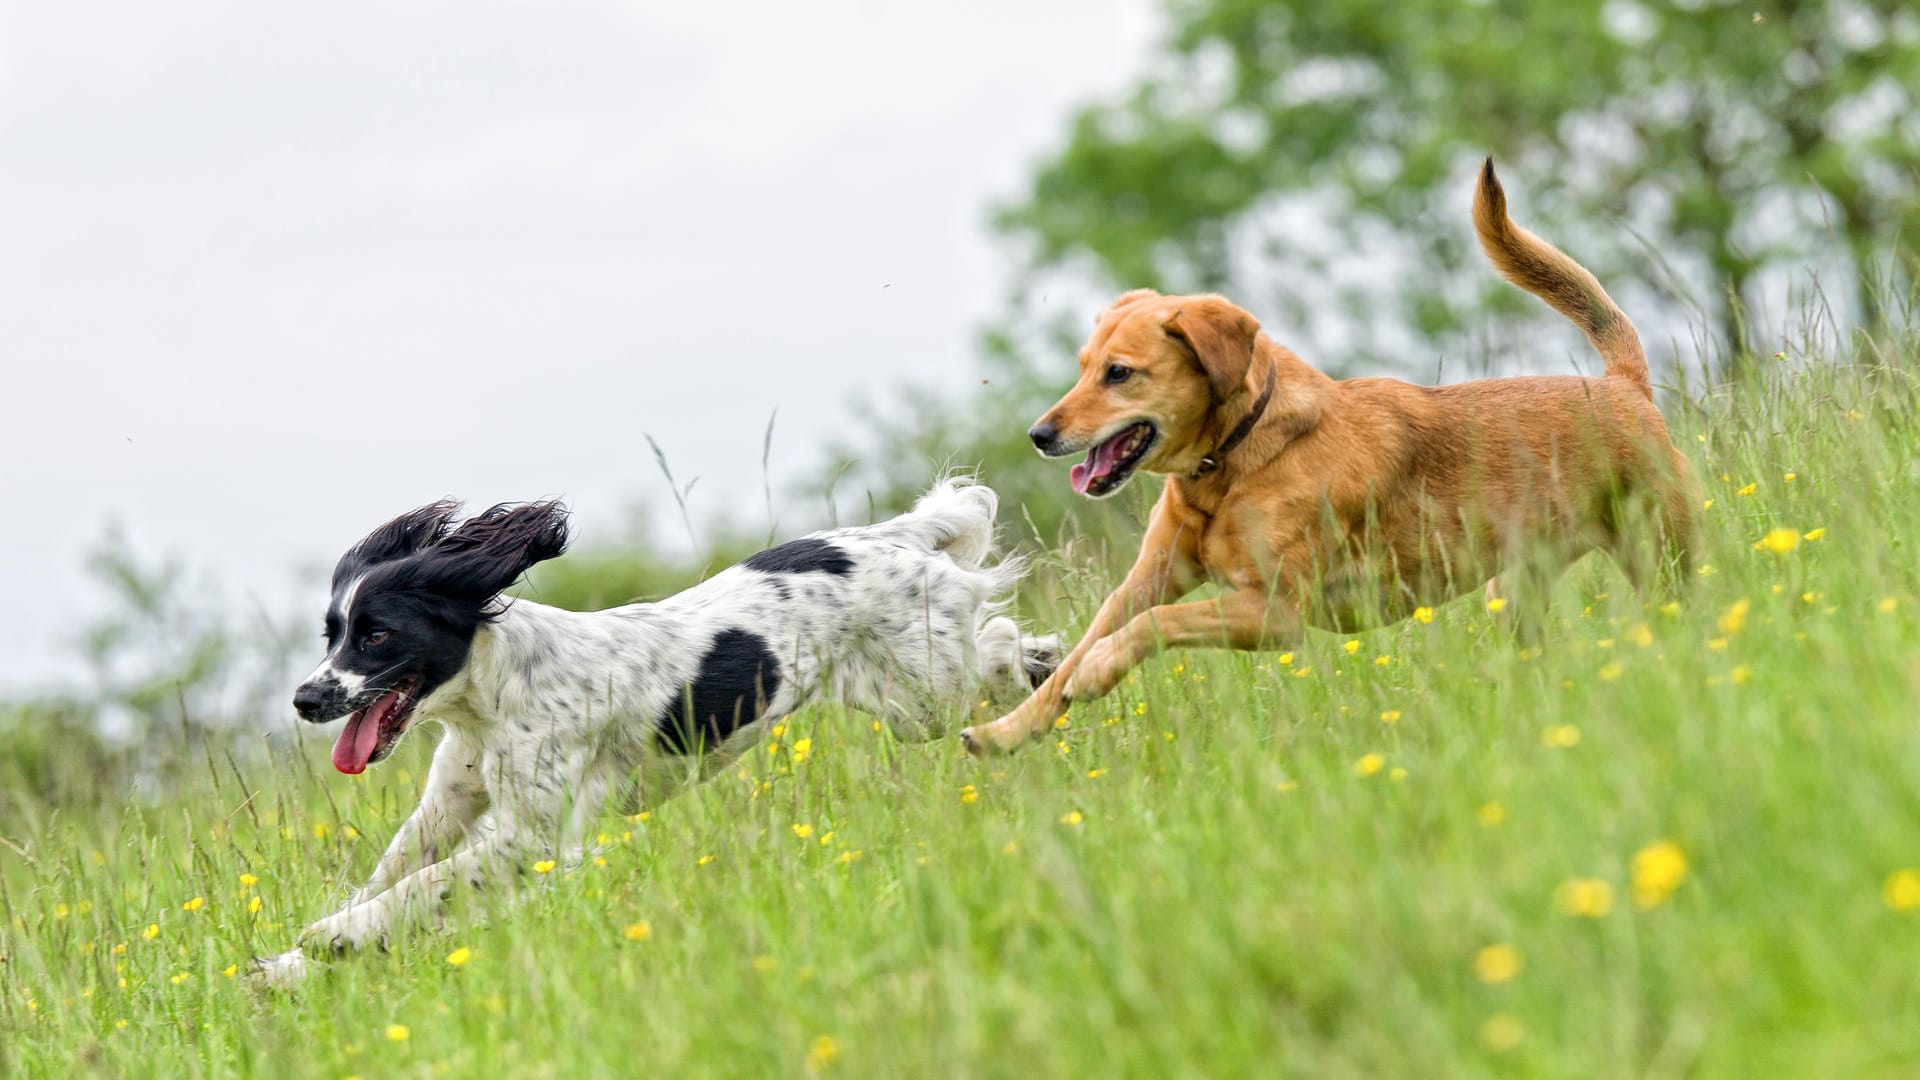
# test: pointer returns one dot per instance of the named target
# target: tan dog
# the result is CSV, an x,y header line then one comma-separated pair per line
x,y
1347,503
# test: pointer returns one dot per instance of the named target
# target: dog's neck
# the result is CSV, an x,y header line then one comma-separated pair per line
x,y
1268,422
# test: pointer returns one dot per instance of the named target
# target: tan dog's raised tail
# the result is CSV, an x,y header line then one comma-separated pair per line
x,y
1340,504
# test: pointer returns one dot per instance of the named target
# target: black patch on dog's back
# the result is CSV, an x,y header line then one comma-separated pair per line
x,y
804,556
737,678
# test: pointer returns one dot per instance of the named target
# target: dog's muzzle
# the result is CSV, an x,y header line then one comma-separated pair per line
x,y
320,700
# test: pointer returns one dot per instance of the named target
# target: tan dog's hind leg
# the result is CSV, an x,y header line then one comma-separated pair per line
x,y
1249,619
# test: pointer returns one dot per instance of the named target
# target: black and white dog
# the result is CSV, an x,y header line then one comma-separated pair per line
x,y
549,712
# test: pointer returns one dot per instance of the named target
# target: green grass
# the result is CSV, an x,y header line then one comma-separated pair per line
x,y
1194,878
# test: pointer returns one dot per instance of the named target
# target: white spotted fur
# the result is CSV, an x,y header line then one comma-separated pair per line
x,y
555,710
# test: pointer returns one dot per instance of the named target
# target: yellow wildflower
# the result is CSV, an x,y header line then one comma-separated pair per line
x,y
253,905
152,931
1382,661
703,860
1423,615
1490,814
1391,716
1789,477
1611,671
194,904
1734,619
801,748
639,931
1671,609
1351,647
826,838
1658,869
1397,774
1641,635
1886,606
397,1032
1778,541
249,880
1589,898
1560,736
1095,774
1748,490
850,857
1071,817
968,796
1497,604
544,866
1369,764
1902,891
1815,535
822,1053
1286,659
180,978
763,963
803,831
230,970
1497,964
459,956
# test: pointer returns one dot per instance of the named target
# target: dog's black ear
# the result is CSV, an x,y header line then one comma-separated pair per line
x,y
490,550
408,534
1220,334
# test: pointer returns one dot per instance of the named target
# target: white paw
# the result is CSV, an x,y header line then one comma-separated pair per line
x,y
283,972
354,928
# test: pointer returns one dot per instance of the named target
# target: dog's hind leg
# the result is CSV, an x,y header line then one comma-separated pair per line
x,y
1011,663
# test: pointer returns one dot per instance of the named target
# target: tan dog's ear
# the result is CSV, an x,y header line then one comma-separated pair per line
x,y
1131,297
1220,334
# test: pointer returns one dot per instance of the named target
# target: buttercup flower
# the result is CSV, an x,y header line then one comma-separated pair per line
x,y
1658,869
1423,615
1497,604
1369,764
1496,964
398,1032
1778,541
803,831
1902,891
639,931
1589,898
544,866
459,956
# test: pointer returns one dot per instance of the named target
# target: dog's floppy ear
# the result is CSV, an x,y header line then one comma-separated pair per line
x,y
408,534
1132,297
490,550
1220,335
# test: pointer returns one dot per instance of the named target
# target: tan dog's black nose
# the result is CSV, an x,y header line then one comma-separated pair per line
x,y
1045,436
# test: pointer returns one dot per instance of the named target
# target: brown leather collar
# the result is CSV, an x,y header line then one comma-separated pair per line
x,y
1240,431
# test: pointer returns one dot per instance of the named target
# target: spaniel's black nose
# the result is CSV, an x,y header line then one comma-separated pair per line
x,y
1044,436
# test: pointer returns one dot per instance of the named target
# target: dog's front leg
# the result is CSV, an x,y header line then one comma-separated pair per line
x,y
1246,619
454,797
1168,567
415,897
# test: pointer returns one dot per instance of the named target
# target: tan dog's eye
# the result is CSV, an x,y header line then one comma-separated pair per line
x,y
1117,374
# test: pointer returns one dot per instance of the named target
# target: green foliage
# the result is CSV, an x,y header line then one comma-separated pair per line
x,y
1733,138
1239,864
1313,161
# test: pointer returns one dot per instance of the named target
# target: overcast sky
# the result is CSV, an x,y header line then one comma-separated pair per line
x,y
272,273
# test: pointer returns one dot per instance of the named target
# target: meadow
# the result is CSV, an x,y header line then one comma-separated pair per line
x,y
1680,837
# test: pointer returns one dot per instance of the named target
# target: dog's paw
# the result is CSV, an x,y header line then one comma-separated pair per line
x,y
1002,736
354,928
283,972
1040,656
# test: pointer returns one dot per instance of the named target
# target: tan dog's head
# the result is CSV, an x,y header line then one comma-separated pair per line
x,y
1151,378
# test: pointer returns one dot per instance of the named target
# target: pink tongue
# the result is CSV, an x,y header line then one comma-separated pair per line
x,y
362,734
1102,461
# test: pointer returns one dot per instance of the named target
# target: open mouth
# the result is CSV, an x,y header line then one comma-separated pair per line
x,y
371,731
1110,463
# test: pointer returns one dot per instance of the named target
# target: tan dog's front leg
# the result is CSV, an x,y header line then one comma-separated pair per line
x,y
1248,619
1166,569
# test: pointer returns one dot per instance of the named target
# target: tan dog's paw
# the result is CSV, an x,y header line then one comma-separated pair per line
x,y
998,738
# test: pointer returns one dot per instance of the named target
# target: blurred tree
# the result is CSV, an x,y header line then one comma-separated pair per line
x,y
1313,160
1734,139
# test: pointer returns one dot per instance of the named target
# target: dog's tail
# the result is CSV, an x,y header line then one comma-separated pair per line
x,y
1546,272
956,516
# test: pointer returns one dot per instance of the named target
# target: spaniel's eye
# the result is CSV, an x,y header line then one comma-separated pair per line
x,y
1117,374
374,637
